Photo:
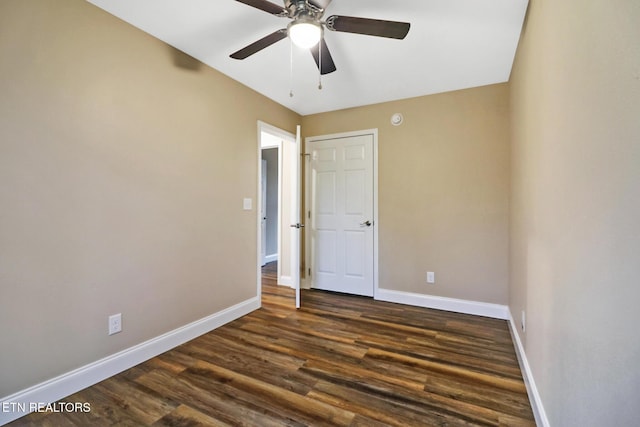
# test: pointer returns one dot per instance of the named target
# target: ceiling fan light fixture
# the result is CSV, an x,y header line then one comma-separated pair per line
x,y
305,33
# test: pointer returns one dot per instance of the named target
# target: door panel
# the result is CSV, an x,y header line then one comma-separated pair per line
x,y
326,155
355,246
326,240
354,190
342,208
326,192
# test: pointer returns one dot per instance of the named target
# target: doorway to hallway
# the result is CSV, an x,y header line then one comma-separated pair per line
x,y
278,200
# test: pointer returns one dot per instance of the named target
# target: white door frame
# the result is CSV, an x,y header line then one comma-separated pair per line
x,y
307,196
270,129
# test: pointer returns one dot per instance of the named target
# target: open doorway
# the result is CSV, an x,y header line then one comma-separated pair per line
x,y
278,199
269,207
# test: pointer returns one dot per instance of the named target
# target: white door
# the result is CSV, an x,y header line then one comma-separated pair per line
x,y
263,215
342,213
295,215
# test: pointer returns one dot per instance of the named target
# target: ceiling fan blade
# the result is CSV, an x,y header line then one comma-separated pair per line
x,y
321,4
257,46
370,27
327,61
266,6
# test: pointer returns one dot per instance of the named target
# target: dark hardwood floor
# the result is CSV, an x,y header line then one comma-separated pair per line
x,y
339,360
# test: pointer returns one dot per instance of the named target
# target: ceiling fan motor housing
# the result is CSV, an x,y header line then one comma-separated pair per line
x,y
301,9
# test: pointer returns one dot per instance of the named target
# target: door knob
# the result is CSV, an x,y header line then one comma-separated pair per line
x,y
298,225
367,223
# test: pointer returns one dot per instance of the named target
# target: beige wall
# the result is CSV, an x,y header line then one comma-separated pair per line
x,y
443,190
121,186
575,224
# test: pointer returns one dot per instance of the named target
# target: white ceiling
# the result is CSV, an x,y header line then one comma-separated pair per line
x,y
452,44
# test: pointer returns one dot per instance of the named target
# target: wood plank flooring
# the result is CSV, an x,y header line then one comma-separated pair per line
x,y
340,360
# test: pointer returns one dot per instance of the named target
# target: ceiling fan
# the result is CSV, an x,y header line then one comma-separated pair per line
x,y
306,29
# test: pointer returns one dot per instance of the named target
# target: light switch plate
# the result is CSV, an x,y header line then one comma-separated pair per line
x,y
247,204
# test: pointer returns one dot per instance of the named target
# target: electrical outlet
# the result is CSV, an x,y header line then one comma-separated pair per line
x,y
523,325
431,277
115,323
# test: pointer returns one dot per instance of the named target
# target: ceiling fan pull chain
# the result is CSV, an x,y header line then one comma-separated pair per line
x,y
291,67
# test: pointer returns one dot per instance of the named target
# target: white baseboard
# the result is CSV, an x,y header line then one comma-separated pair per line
x,y
270,258
71,382
534,397
496,311
285,281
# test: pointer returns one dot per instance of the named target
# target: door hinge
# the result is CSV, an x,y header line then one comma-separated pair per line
x,y
309,214
309,272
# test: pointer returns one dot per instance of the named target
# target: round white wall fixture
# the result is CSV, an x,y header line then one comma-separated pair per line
x,y
397,119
